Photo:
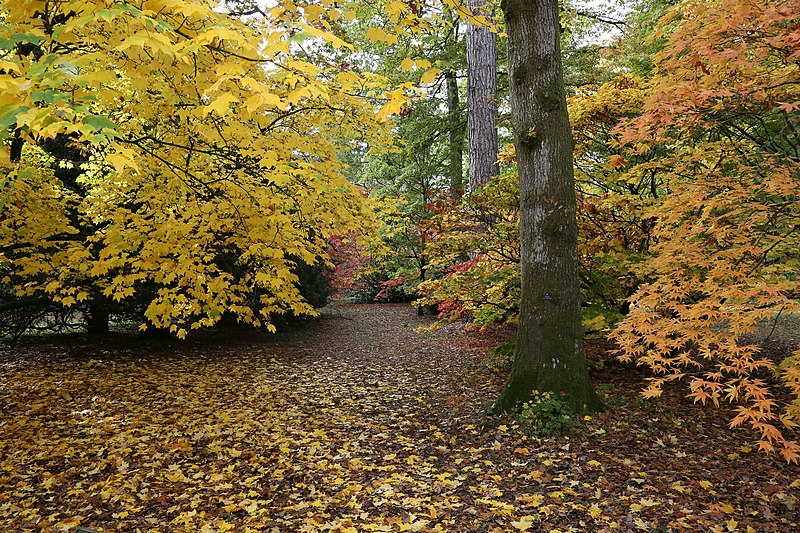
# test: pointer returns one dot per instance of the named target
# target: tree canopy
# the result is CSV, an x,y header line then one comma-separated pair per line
x,y
167,151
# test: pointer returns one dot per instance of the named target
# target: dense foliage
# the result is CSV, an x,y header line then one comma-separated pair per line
x,y
166,155
724,112
686,161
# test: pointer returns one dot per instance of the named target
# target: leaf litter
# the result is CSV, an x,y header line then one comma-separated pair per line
x,y
352,423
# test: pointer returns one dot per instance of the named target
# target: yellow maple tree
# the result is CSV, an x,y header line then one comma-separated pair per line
x,y
196,158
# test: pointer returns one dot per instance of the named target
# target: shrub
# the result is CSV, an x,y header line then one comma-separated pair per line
x,y
546,414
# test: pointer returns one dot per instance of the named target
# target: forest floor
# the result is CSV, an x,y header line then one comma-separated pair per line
x,y
355,422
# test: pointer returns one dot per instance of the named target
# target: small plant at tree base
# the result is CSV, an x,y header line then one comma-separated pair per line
x,y
546,414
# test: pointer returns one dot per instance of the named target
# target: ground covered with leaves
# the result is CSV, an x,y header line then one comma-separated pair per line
x,y
354,423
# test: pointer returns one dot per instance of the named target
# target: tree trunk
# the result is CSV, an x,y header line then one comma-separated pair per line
x,y
456,150
481,99
97,318
549,348
17,142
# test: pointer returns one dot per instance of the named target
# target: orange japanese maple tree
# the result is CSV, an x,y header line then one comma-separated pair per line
x,y
724,111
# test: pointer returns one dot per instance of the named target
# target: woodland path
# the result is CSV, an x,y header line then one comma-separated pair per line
x,y
354,422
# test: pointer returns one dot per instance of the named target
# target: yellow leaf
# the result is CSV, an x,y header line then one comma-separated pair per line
x,y
407,65
680,488
122,158
377,35
313,12
396,101
429,76
175,477
220,105
523,524
732,524
327,36
152,40
706,484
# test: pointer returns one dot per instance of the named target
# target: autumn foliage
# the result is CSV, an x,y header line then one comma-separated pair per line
x,y
169,153
168,161
476,247
723,113
687,185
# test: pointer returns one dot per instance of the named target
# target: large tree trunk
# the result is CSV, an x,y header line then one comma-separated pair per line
x,y
549,348
481,99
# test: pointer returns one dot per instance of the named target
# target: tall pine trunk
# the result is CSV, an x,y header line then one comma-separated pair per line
x,y
549,348
481,99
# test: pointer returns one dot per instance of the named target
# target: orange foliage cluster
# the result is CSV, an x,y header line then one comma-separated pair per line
x,y
724,114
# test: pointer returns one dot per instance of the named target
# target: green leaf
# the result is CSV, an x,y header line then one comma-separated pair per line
x,y
98,123
11,42
8,118
49,96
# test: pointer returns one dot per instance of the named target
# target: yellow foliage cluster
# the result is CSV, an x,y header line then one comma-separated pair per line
x,y
207,152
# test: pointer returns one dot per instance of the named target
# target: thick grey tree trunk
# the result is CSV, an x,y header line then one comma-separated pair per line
x,y
481,99
549,348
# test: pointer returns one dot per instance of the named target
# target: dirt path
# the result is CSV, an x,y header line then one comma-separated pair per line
x,y
352,423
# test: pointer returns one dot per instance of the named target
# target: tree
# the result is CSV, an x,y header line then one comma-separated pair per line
x,y
482,97
456,166
426,161
209,156
549,348
723,113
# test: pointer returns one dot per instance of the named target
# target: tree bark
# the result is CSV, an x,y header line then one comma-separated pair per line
x,y
481,99
17,142
97,318
549,346
455,144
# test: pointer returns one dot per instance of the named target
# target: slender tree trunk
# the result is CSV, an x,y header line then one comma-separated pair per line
x,y
481,99
456,149
17,142
549,348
